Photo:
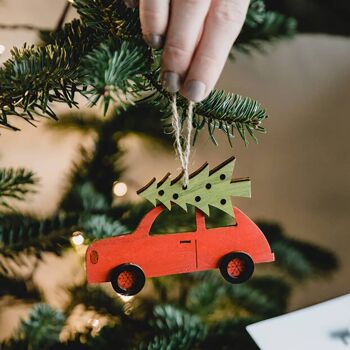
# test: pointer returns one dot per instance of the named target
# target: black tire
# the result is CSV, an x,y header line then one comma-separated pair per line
x,y
127,279
236,274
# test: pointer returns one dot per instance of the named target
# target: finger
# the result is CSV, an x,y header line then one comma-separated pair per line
x,y
222,26
186,23
131,3
154,16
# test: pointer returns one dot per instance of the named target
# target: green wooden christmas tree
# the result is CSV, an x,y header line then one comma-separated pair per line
x,y
205,188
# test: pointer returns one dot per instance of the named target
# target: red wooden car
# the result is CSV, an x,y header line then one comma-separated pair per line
x,y
126,260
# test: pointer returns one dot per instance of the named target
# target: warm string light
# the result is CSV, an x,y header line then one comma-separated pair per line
x,y
2,49
128,306
125,298
95,324
120,189
77,238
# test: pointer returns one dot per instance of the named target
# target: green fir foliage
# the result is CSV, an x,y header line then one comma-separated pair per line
x,y
262,27
101,226
43,327
15,184
102,56
117,74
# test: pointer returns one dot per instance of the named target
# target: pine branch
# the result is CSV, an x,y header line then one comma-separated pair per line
x,y
223,111
95,298
101,226
300,260
175,329
323,261
99,167
117,74
253,300
227,112
40,331
66,65
43,327
19,288
264,296
291,260
265,27
86,199
111,18
124,335
276,288
36,76
203,296
19,233
255,15
15,184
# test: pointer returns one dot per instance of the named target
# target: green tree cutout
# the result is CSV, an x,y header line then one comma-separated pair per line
x,y
206,187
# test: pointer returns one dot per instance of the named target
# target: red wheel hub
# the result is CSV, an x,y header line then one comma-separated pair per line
x,y
126,280
235,267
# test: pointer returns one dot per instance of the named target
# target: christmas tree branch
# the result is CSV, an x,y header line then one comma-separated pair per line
x,y
15,184
95,298
175,329
20,233
19,288
117,74
95,57
261,27
42,328
35,77
299,260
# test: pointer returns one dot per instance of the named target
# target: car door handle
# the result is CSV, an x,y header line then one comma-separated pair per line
x,y
185,241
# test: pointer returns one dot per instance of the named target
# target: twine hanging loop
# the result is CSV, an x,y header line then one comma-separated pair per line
x,y
182,141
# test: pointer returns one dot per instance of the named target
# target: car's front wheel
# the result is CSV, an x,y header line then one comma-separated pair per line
x,y
236,267
127,279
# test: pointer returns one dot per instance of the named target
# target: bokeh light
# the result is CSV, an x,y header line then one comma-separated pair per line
x,y
120,189
77,238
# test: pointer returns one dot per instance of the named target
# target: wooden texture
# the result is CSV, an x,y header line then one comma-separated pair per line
x,y
206,188
165,254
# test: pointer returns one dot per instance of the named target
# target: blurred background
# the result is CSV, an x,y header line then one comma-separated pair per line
x,y
299,169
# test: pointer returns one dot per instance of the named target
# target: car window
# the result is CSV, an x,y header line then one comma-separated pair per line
x,y
175,220
218,218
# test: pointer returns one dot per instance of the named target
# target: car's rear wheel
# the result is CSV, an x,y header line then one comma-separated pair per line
x,y
236,267
127,279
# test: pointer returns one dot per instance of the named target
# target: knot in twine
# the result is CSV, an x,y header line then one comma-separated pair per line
x,y
182,149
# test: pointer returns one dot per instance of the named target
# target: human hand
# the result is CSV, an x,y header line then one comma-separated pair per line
x,y
197,36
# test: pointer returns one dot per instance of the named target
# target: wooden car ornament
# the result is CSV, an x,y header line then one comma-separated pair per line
x,y
127,260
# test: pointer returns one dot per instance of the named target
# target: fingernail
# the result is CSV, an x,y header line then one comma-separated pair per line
x,y
131,3
171,81
154,40
194,90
